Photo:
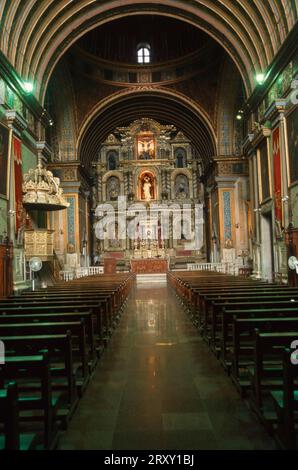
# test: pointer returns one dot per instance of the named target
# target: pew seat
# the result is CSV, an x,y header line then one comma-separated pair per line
x,y
10,437
37,407
286,405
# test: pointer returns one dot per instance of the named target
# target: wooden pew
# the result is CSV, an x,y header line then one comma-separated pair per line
x,y
102,302
77,329
213,321
60,350
193,286
60,320
9,417
248,324
243,335
10,437
266,373
47,314
286,405
35,406
227,322
211,303
101,316
44,317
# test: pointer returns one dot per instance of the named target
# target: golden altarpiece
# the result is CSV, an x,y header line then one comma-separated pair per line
x,y
149,163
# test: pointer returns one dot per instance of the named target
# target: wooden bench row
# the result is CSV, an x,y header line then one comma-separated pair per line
x,y
249,325
53,339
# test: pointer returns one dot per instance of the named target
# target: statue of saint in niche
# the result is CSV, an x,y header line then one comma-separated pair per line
x,y
147,188
182,187
113,188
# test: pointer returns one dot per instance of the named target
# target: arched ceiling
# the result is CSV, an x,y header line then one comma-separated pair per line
x,y
36,33
169,39
160,106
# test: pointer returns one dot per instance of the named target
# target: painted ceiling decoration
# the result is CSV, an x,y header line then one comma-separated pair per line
x,y
36,33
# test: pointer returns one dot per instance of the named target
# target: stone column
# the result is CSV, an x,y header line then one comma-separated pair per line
x,y
170,241
99,187
256,216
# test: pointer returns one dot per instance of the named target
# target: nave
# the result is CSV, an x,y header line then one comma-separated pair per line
x,y
158,386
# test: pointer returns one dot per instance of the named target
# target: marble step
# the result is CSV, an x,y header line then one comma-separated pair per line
x,y
150,279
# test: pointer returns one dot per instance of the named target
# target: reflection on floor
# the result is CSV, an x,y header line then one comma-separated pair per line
x,y
159,387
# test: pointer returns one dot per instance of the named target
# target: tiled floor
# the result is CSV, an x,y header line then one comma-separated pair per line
x,y
159,387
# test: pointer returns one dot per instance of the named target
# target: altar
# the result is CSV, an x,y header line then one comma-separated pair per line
x,y
149,266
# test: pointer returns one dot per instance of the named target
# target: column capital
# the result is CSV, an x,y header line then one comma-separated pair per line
x,y
254,139
275,109
15,121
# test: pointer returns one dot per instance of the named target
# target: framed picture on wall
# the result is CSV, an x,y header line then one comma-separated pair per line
x,y
292,129
4,161
264,170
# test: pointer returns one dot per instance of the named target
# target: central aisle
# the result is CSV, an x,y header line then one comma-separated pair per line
x,y
159,387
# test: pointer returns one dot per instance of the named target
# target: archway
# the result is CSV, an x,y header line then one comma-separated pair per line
x,y
159,104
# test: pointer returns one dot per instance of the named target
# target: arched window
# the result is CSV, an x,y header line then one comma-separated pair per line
x,y
180,155
112,161
144,54
180,160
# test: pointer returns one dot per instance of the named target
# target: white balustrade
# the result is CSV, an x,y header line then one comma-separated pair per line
x,y
94,270
81,272
224,267
67,275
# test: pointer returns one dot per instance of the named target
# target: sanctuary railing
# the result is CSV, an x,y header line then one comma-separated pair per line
x,y
80,272
223,267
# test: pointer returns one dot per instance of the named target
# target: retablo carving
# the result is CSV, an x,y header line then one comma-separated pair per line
x,y
42,191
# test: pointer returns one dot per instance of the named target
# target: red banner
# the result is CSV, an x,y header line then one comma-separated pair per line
x,y
18,180
277,175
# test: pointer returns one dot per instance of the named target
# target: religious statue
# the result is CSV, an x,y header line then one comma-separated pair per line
x,y
146,146
228,243
181,194
182,187
147,188
71,248
113,188
146,154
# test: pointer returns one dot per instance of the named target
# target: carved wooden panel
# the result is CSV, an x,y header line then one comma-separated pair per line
x,y
39,243
110,265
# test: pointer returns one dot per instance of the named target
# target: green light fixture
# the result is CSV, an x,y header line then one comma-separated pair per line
x,y
28,87
260,77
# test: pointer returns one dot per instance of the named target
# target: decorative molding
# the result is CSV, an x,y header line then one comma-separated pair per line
x,y
15,121
277,107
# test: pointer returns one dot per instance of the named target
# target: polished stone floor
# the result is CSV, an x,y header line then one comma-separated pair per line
x,y
159,387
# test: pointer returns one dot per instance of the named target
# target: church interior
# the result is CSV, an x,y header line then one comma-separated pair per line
x,y
148,225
